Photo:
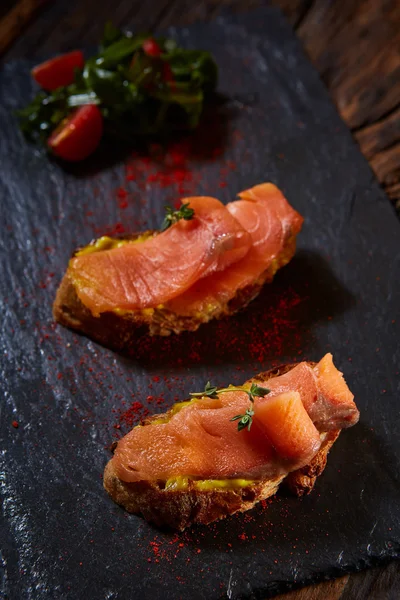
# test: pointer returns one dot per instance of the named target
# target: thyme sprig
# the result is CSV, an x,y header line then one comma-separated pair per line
x,y
246,420
255,391
173,216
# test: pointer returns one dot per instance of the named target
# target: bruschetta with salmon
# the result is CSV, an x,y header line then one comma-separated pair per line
x,y
208,262
224,450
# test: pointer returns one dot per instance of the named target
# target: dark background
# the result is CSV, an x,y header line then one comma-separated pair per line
x,y
353,49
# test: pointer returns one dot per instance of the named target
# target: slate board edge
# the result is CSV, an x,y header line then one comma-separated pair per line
x,y
240,18
372,560
284,586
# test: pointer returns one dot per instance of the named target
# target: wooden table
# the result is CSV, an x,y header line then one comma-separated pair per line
x,y
354,44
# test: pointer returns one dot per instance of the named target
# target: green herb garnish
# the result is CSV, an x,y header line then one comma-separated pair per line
x,y
255,390
246,420
173,216
138,94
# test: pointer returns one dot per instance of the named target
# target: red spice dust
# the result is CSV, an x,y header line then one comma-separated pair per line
x,y
122,195
265,332
113,230
176,168
135,413
164,168
263,336
188,545
164,549
156,549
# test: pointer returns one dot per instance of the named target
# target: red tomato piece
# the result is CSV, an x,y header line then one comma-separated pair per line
x,y
151,48
78,135
58,71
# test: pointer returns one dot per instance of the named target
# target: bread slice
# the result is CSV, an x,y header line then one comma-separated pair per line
x,y
120,331
178,509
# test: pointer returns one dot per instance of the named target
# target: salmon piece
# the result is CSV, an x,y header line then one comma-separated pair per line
x,y
285,422
199,440
335,407
220,450
148,451
302,379
147,274
324,393
278,211
264,212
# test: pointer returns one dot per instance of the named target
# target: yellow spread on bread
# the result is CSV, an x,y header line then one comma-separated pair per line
x,y
180,484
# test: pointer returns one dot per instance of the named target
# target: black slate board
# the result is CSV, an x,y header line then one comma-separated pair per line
x,y
61,536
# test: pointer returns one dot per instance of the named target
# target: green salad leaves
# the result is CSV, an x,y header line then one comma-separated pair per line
x,y
142,85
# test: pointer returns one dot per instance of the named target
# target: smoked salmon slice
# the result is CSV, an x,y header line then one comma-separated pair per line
x,y
302,378
281,220
144,275
264,212
335,407
208,264
324,393
201,440
202,443
288,427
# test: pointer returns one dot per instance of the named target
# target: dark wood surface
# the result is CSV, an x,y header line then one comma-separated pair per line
x,y
354,44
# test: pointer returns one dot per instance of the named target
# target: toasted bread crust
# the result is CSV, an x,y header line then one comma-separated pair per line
x,y
122,331
178,509
302,481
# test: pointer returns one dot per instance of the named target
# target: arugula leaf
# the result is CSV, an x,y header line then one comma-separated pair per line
x,y
120,50
111,34
45,112
195,66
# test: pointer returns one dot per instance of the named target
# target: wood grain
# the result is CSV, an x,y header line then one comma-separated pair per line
x,y
16,19
295,10
380,135
328,590
381,583
355,45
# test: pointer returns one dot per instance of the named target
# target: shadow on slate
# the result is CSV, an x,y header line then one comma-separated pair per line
x,y
278,322
61,536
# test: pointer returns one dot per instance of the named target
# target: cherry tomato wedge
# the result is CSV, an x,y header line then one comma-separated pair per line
x,y
151,48
79,135
58,71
